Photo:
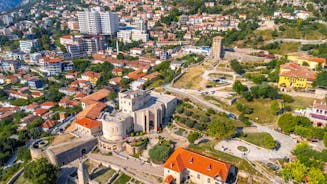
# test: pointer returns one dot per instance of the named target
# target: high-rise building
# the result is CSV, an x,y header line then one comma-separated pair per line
x,y
218,47
96,21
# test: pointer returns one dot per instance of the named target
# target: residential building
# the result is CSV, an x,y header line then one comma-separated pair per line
x,y
81,46
52,66
305,60
187,166
9,65
127,36
87,126
27,45
35,83
95,22
292,75
92,77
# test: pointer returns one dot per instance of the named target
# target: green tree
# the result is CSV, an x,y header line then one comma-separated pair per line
x,y
325,139
321,79
41,172
159,153
112,95
23,154
316,176
295,170
221,129
193,136
238,87
81,64
286,123
274,107
236,66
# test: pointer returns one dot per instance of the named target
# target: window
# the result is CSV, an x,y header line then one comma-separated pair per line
x,y
198,176
208,180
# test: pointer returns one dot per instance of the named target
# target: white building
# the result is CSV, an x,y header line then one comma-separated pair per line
x,y
27,45
97,22
127,36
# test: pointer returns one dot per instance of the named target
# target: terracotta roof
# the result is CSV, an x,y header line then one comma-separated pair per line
x,y
67,37
51,60
96,96
183,158
92,111
136,75
151,76
116,80
49,123
49,104
116,70
88,123
318,60
320,106
297,71
41,111
92,74
169,179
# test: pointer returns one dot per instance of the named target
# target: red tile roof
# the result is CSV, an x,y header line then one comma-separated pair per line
x,y
136,75
96,96
169,179
88,123
49,123
297,71
183,158
51,60
49,104
41,111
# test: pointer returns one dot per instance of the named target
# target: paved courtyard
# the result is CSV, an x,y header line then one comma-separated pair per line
x,y
254,153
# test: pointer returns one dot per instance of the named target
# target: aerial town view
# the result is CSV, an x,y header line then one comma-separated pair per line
x,y
163,92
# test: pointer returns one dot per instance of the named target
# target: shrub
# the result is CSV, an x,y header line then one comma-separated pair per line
x,y
193,136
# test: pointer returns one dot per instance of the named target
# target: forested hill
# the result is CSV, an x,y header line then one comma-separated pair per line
x,y
8,4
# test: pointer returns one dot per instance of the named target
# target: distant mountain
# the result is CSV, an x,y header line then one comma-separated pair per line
x,y
8,4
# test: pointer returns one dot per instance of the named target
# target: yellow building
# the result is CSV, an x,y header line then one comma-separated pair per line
x,y
292,75
303,59
91,77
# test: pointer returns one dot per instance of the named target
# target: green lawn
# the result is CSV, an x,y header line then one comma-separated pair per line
x,y
261,139
301,103
102,176
208,150
123,179
261,110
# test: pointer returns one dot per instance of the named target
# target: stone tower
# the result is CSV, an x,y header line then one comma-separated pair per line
x,y
218,47
82,173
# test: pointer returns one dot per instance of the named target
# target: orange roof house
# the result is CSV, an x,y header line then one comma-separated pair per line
x,y
89,126
95,97
183,159
88,123
40,111
136,75
48,124
117,71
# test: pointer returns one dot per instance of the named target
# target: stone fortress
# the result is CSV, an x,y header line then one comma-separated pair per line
x,y
139,111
